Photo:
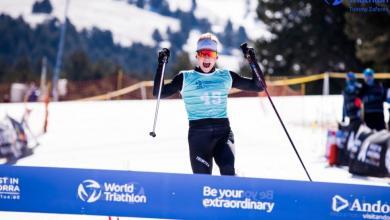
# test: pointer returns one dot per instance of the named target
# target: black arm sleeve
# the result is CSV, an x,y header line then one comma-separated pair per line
x,y
169,89
247,84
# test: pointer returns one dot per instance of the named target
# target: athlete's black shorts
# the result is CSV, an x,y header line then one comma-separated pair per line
x,y
211,139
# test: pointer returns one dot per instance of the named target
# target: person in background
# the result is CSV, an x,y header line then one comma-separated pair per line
x,y
351,103
32,93
373,95
352,106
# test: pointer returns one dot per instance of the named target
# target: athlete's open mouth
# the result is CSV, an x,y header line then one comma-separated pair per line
x,y
206,65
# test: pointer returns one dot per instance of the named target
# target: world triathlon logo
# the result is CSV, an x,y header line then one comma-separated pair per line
x,y
89,191
334,2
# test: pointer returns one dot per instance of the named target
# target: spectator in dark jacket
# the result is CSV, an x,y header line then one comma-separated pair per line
x,y
373,95
352,103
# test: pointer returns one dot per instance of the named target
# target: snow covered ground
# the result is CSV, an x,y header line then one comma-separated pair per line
x,y
115,135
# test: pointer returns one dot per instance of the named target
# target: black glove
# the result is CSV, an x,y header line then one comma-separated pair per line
x,y
163,55
248,52
250,55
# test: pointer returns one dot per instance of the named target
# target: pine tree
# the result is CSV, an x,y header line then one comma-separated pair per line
x,y
182,62
194,5
157,36
78,66
308,38
241,36
140,3
42,7
371,32
228,35
22,69
155,4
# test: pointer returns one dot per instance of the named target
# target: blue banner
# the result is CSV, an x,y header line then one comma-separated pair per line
x,y
184,196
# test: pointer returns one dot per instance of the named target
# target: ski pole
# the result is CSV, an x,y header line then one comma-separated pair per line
x,y
249,54
165,61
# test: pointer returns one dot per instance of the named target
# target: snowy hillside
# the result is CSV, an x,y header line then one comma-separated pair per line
x,y
239,12
130,24
127,23
242,12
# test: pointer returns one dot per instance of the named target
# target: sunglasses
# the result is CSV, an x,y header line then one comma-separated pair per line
x,y
207,53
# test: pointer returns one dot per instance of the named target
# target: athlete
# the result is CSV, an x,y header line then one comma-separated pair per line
x,y
205,90
352,103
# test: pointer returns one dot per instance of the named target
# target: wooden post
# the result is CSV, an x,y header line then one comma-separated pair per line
x,y
119,81
143,91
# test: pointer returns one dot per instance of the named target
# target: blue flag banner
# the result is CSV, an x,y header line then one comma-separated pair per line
x,y
184,196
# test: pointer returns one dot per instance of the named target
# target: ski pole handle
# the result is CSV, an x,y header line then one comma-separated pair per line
x,y
249,54
163,55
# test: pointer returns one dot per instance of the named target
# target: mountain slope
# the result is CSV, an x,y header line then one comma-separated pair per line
x,y
129,23
125,33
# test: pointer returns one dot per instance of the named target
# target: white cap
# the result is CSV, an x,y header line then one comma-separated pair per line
x,y
207,44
